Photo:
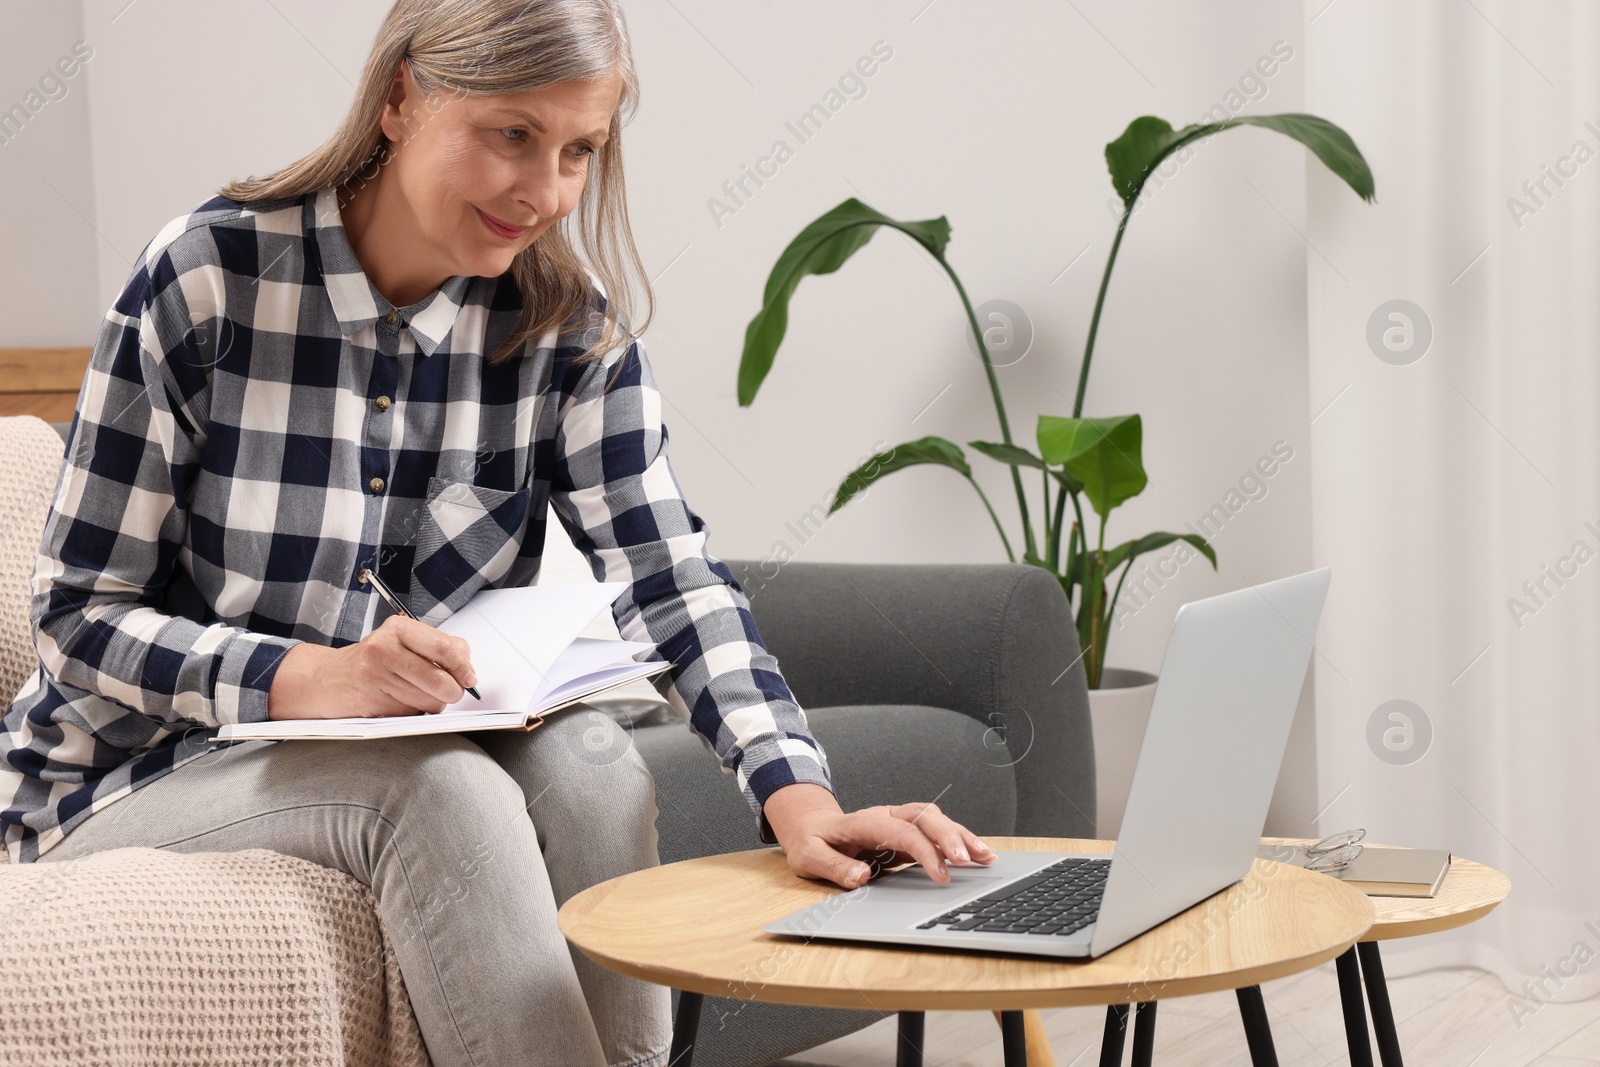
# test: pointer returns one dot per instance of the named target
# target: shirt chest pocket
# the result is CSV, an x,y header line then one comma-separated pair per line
x,y
468,536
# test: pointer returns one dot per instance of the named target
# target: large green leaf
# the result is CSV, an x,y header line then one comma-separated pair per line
x,y
820,248
1008,454
1102,454
1129,551
924,450
1148,140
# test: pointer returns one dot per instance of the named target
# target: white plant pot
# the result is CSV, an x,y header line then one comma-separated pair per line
x,y
1118,710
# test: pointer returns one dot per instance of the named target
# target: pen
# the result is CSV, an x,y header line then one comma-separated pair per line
x,y
367,577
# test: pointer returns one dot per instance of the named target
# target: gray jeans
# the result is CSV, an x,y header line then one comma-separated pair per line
x,y
470,842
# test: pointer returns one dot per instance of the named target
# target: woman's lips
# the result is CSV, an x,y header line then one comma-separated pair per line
x,y
504,229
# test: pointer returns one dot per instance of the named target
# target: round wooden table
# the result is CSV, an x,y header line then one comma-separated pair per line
x,y
696,926
1468,893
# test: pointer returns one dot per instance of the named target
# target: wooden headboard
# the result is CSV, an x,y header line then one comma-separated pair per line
x,y
41,381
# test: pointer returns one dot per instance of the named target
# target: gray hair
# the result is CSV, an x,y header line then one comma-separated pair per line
x,y
495,47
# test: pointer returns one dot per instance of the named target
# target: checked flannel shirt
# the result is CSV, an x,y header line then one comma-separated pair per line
x,y
258,424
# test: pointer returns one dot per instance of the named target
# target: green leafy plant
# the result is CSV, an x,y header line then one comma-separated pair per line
x,y
1095,459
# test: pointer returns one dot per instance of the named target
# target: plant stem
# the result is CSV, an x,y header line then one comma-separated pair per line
x,y
1094,661
1093,588
1102,609
1044,476
1094,321
1094,575
1070,567
999,405
988,369
1010,557
1111,608
1053,546
1081,532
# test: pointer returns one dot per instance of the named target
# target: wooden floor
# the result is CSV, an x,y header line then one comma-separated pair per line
x,y
1445,1018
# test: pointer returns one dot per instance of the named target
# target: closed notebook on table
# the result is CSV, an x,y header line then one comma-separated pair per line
x,y
1380,872
529,659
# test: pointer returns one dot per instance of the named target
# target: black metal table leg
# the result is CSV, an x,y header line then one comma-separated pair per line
x,y
1355,1010
685,1028
1378,1002
908,1045
1111,1039
1144,1034
1014,1038
1253,1013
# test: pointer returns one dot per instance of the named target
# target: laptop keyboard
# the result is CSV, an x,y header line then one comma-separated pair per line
x,y
1061,899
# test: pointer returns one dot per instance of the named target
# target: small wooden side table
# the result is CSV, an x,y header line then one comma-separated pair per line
x,y
1468,893
696,926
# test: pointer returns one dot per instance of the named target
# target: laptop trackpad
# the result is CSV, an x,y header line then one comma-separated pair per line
x,y
912,885
909,895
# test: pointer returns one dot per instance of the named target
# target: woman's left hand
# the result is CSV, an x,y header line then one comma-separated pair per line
x,y
823,841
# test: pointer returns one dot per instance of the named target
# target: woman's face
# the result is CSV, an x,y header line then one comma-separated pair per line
x,y
484,176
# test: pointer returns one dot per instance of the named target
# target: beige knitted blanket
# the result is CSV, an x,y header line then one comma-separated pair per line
x,y
138,956
30,462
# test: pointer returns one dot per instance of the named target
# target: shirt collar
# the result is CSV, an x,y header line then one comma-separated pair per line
x,y
356,301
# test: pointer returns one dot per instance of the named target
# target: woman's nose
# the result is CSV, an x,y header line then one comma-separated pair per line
x,y
538,188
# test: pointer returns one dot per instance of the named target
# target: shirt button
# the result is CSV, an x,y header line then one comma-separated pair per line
x,y
391,318
376,485
382,403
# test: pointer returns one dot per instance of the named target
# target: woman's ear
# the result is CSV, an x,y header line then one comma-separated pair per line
x,y
401,103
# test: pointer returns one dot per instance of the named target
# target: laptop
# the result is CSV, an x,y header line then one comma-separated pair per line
x,y
1219,723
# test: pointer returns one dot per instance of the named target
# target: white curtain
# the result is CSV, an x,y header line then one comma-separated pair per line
x,y
1457,488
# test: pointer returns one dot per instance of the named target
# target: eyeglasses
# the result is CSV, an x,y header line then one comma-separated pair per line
x,y
1333,853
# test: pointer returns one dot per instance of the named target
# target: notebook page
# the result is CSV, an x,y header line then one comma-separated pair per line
x,y
517,634
599,681
586,656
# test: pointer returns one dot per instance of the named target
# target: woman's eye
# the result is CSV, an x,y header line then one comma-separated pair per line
x,y
588,150
515,140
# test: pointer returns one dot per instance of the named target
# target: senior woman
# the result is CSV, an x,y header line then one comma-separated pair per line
x,y
391,354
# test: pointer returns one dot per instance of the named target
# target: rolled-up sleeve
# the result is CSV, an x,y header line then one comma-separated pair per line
x,y
117,525
615,493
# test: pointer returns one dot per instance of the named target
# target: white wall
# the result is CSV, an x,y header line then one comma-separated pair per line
x,y
189,94
993,114
47,226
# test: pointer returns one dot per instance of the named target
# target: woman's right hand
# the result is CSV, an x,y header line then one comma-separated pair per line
x,y
388,672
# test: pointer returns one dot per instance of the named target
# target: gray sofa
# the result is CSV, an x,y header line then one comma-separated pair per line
x,y
959,683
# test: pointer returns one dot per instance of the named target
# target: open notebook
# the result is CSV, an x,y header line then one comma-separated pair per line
x,y
529,658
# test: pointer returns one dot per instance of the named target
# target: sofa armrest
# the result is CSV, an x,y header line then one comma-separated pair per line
x,y
992,641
